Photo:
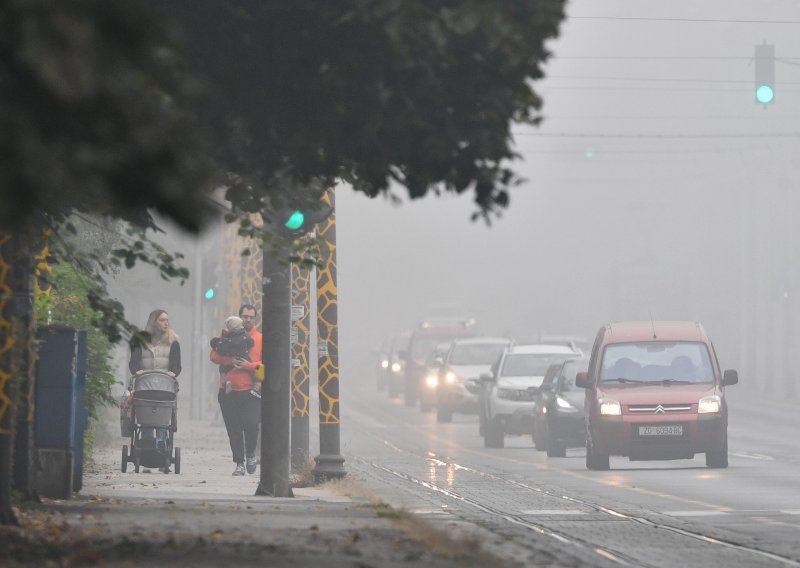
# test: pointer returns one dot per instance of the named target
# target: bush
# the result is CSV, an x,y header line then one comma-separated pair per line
x,y
68,304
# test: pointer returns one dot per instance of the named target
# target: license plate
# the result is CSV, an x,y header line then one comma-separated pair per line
x,y
661,430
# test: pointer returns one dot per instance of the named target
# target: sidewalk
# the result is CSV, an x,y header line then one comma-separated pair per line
x,y
206,517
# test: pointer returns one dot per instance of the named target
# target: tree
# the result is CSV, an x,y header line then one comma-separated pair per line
x,y
98,116
92,121
421,93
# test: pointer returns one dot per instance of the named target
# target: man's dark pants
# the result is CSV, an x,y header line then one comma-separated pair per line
x,y
241,412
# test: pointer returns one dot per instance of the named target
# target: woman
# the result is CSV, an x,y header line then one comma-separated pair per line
x,y
161,353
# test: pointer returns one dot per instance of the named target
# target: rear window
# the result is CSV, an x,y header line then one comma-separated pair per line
x,y
477,353
528,364
656,361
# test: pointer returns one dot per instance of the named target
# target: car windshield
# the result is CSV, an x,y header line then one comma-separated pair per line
x,y
528,364
656,362
477,353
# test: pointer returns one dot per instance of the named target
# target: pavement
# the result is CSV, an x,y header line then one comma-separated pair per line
x,y
206,517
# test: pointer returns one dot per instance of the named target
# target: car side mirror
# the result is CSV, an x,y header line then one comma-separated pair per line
x,y
487,378
403,354
582,380
730,377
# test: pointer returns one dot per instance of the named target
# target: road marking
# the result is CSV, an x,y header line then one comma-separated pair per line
x,y
791,512
705,513
552,512
752,456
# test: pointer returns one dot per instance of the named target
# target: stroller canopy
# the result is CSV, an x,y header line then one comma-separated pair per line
x,y
155,381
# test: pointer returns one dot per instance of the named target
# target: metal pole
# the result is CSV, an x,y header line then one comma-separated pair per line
x,y
276,322
301,285
198,377
330,464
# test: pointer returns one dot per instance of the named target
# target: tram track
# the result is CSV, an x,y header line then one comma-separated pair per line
x,y
616,556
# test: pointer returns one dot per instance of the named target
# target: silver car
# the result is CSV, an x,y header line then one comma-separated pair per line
x,y
459,379
509,392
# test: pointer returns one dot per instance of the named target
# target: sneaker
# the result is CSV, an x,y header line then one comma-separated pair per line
x,y
239,469
251,464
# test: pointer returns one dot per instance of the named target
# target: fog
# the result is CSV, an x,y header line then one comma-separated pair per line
x,y
655,187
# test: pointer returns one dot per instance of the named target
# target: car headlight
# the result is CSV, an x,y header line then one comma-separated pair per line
x,y
709,404
450,377
508,394
396,367
563,403
432,380
610,407
384,364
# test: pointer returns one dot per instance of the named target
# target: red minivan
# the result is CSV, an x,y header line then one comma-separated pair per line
x,y
654,391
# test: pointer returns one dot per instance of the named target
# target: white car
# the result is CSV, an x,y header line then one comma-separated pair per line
x,y
510,389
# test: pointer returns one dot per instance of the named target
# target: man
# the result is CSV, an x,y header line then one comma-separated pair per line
x,y
238,395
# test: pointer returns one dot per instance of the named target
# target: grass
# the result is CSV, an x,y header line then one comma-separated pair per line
x,y
465,551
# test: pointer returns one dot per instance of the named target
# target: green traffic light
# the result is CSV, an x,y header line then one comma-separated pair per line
x,y
295,221
209,293
765,94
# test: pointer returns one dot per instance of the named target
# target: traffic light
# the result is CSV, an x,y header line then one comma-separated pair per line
x,y
765,74
296,221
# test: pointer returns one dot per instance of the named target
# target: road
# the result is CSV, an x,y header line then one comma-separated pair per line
x,y
537,510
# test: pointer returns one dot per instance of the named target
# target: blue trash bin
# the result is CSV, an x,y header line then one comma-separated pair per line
x,y
60,411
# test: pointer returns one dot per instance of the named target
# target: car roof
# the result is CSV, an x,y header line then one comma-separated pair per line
x,y
480,340
629,331
540,349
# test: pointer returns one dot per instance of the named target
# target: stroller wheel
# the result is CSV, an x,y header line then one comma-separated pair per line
x,y
124,466
136,461
177,460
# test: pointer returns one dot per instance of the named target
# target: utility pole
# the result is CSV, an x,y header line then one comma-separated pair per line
x,y
301,289
274,471
330,464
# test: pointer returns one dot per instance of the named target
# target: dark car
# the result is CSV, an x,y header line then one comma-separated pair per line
x,y
558,409
654,391
396,365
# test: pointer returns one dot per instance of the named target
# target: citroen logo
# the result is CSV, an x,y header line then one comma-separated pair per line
x,y
660,409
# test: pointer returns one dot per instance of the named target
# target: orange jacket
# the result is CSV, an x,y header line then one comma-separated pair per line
x,y
241,379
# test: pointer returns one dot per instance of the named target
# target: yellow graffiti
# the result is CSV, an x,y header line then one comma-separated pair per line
x,y
6,337
243,272
327,307
301,285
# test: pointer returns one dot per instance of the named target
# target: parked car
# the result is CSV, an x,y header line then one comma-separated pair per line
x,y
465,362
428,334
396,375
510,389
654,391
576,342
434,363
558,409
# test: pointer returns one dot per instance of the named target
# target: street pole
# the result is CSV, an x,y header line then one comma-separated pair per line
x,y
276,321
198,377
301,287
329,462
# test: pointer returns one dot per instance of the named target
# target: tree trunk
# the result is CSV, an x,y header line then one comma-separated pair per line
x,y
17,261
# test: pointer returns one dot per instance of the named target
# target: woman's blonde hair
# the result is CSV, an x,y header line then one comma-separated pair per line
x,y
155,335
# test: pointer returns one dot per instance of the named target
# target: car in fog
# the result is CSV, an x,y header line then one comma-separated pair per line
x,y
465,362
576,342
434,363
510,387
654,391
558,409
395,377
427,335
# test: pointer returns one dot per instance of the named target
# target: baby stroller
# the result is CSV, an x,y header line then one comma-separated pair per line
x,y
154,405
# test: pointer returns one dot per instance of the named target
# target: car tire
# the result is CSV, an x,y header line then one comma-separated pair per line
x,y
540,437
444,413
718,460
392,390
555,449
594,461
124,467
494,434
